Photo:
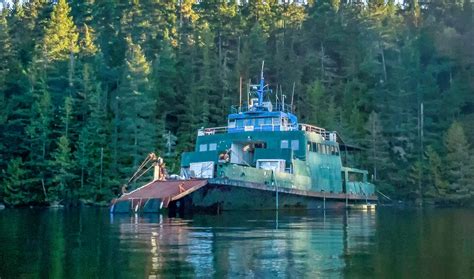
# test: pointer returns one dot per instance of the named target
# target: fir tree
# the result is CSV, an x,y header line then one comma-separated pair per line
x,y
6,53
39,128
15,185
137,130
61,36
87,42
436,183
458,160
376,145
62,185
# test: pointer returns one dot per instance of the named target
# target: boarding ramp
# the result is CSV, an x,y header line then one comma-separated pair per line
x,y
155,195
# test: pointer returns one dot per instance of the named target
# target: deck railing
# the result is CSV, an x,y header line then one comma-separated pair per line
x,y
302,127
277,107
311,128
212,131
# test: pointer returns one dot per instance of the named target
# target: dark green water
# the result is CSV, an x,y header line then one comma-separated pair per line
x,y
89,243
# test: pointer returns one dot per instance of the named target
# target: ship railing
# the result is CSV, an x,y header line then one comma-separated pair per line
x,y
262,127
274,107
311,128
212,131
327,135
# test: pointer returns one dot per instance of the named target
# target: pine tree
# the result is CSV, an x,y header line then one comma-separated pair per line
x,y
6,53
253,52
458,160
93,152
62,185
137,130
39,128
207,85
377,146
15,189
164,77
87,42
5,63
312,104
61,35
435,183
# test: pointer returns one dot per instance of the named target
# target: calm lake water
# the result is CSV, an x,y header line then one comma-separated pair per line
x,y
90,243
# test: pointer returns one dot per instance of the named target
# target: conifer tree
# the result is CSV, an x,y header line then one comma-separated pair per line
x,y
436,183
93,152
15,186
253,53
6,53
5,56
39,128
62,185
137,130
61,35
87,42
377,145
458,160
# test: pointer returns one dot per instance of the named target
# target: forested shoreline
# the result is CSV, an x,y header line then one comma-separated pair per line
x,y
89,88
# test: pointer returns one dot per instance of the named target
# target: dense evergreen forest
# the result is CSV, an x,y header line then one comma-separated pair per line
x,y
88,88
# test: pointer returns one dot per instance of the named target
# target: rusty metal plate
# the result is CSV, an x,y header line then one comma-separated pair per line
x,y
171,190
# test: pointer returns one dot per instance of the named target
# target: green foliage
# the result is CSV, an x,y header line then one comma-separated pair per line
x,y
459,167
436,184
63,173
137,131
88,88
61,36
15,184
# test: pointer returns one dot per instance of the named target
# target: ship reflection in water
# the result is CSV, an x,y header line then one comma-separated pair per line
x,y
89,243
263,245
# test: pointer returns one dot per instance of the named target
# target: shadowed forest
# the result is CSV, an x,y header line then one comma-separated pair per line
x,y
89,88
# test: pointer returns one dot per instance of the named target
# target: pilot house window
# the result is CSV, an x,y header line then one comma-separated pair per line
x,y
284,144
202,147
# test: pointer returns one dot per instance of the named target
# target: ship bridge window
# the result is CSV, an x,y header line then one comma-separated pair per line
x,y
295,145
212,146
268,121
232,123
284,144
240,123
249,122
276,121
202,147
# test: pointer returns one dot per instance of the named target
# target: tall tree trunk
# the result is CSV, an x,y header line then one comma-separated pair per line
x,y
383,62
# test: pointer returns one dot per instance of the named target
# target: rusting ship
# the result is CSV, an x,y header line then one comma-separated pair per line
x,y
263,159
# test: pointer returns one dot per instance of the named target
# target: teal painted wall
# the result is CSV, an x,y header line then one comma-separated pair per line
x,y
313,169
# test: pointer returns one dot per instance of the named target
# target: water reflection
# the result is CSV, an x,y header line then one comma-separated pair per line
x,y
89,243
251,245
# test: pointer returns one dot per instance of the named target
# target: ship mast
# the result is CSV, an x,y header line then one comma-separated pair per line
x,y
260,90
